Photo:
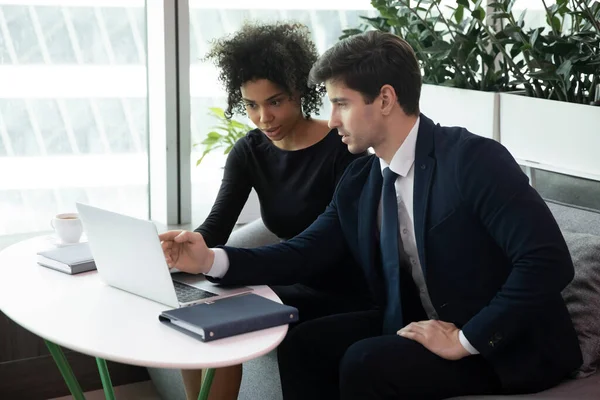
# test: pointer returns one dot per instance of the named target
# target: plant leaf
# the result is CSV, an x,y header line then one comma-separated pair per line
x,y
459,13
521,20
510,6
565,69
210,141
478,14
554,23
217,112
232,132
237,125
534,37
439,46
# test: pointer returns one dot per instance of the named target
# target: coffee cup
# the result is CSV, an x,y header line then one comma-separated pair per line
x,y
68,227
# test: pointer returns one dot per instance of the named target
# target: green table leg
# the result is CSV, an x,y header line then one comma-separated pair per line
x,y
206,383
65,370
109,393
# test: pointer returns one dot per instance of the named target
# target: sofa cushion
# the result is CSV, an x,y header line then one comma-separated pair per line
x,y
571,389
582,297
575,219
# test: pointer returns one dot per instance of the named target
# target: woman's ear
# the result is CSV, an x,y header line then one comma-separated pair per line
x,y
296,98
388,99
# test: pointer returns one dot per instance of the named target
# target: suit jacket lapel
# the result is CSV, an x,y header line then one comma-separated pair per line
x,y
367,229
424,168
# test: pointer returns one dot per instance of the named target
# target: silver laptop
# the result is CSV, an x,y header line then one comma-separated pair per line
x,y
128,256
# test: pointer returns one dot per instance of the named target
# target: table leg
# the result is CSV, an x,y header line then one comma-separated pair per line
x,y
206,383
65,370
109,393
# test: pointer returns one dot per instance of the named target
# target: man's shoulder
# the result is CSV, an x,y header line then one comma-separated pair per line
x,y
357,171
459,142
463,156
361,165
452,135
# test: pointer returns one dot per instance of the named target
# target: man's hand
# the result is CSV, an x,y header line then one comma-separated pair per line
x,y
186,251
439,337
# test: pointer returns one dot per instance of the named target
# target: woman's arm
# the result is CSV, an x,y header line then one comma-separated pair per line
x,y
234,191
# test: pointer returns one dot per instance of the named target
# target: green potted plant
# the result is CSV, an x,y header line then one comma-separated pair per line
x,y
552,125
558,62
223,135
462,72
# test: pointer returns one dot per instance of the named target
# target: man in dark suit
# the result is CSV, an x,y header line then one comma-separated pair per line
x,y
462,257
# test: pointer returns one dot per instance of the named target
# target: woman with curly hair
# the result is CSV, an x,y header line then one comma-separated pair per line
x,y
292,161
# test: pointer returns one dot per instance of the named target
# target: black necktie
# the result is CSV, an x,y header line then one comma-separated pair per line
x,y
390,256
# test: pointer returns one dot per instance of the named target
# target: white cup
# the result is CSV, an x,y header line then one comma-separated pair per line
x,y
68,227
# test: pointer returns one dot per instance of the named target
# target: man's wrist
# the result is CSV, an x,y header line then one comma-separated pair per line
x,y
210,261
219,263
466,344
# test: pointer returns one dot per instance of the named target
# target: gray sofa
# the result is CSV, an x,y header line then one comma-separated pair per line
x,y
581,229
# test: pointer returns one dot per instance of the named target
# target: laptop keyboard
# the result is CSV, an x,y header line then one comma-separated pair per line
x,y
187,293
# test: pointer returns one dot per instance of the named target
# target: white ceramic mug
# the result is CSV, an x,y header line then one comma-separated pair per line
x,y
68,227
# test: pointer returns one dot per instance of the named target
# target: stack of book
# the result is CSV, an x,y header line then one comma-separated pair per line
x,y
71,259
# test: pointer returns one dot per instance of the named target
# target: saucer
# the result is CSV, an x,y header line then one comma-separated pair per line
x,y
55,241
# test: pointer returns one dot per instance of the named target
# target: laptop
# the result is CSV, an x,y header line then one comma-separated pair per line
x,y
129,256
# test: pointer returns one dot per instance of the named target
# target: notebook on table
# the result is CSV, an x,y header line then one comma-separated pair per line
x,y
71,259
229,316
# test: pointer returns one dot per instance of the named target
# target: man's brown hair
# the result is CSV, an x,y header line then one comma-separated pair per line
x,y
370,60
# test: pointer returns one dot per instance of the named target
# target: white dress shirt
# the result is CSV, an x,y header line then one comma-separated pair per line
x,y
402,164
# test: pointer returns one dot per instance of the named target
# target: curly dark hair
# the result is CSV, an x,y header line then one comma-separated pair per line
x,y
280,52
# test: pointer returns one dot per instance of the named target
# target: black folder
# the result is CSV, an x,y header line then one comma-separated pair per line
x,y
229,316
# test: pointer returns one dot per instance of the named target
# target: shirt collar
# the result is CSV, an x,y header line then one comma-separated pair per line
x,y
404,158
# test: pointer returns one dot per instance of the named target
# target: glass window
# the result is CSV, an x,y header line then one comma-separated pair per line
x,y
72,110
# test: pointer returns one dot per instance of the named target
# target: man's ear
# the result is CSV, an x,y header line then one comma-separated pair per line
x,y
388,99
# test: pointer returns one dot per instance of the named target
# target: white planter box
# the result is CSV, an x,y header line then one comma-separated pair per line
x,y
477,111
552,135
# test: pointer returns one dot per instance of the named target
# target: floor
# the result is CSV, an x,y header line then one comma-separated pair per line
x,y
134,391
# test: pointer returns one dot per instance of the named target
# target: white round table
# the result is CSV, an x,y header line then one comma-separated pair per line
x,y
82,313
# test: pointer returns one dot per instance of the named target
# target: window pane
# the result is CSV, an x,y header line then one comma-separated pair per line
x,y
88,34
121,31
72,110
20,35
17,121
85,126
